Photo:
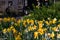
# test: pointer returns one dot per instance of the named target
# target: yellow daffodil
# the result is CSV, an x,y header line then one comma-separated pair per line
x,y
8,30
5,19
18,21
52,35
15,24
32,21
54,20
28,21
58,25
19,33
8,19
14,30
34,27
13,19
11,27
35,35
30,28
54,28
50,22
24,23
45,29
40,31
47,22
18,37
40,23
4,30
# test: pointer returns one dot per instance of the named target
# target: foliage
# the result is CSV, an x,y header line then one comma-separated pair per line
x,y
40,13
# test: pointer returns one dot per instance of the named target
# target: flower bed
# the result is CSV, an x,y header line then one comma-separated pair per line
x,y
29,29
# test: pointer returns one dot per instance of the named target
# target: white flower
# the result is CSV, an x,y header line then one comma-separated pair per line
x,y
48,18
55,19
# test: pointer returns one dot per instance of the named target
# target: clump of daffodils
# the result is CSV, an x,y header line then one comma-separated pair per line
x,y
38,28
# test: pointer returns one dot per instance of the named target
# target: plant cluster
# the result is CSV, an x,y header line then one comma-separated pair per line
x,y
29,29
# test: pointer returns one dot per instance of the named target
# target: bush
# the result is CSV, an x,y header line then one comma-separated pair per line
x,y
40,13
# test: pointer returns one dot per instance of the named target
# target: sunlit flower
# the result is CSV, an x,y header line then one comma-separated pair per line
x,y
47,22
35,35
52,35
8,30
8,19
40,23
48,34
28,21
18,21
54,20
13,19
54,28
30,28
58,25
14,30
32,21
24,23
44,29
34,27
48,18
11,27
15,24
29,25
40,31
18,37
19,33
4,30
5,19
50,22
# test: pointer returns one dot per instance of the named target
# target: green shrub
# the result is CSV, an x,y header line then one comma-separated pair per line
x,y
40,13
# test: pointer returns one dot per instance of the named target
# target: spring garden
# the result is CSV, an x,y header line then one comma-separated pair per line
x,y
41,24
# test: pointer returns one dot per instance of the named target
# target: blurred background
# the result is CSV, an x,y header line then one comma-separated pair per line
x,y
18,6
